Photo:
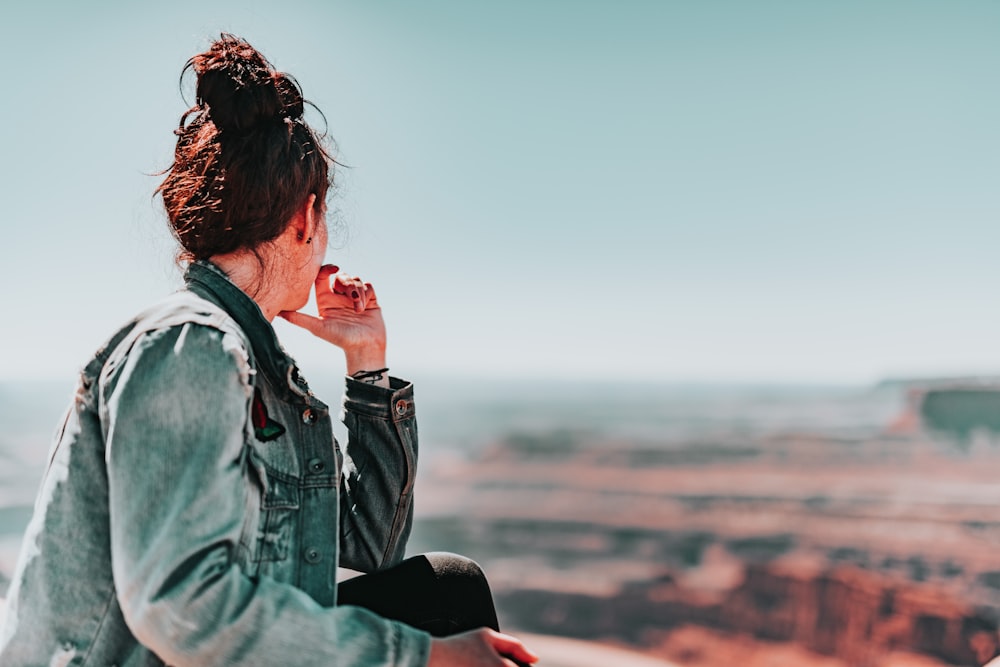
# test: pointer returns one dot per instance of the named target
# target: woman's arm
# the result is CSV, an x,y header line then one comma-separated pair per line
x,y
176,411
376,504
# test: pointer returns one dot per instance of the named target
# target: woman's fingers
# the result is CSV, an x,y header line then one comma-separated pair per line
x,y
356,290
512,662
311,324
323,277
339,290
333,301
358,294
510,647
370,294
345,284
479,647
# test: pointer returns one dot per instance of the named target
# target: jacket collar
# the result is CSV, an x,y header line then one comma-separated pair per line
x,y
211,283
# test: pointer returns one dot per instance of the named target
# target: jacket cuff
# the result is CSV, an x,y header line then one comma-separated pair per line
x,y
393,403
413,645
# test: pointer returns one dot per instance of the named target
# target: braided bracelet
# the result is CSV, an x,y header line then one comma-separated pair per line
x,y
371,377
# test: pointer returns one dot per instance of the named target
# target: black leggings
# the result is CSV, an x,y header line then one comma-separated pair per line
x,y
441,593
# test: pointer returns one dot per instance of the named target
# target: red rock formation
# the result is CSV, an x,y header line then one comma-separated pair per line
x,y
857,616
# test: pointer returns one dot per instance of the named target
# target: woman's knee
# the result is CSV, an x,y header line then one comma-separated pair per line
x,y
459,576
462,586
448,565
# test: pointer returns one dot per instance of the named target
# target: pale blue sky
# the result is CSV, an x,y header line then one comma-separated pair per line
x,y
715,191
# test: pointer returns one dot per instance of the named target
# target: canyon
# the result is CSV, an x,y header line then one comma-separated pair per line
x,y
866,550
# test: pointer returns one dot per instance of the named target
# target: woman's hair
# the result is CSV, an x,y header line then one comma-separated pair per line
x,y
245,160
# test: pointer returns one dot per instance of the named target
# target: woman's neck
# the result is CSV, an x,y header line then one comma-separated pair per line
x,y
246,271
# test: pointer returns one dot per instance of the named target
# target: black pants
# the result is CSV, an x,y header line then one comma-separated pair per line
x,y
441,593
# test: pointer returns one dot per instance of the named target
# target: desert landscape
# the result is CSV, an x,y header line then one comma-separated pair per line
x,y
856,546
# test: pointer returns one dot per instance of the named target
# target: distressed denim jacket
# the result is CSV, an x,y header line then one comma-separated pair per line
x,y
196,504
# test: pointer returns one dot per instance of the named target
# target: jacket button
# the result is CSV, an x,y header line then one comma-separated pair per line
x,y
401,407
316,466
308,416
312,555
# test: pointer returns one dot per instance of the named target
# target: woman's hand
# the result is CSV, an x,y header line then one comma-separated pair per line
x,y
349,317
479,648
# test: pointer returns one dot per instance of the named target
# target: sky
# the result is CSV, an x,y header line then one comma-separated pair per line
x,y
703,191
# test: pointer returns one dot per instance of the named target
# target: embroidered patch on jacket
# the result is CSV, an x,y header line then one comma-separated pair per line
x,y
264,427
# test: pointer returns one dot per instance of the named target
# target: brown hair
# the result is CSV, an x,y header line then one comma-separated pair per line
x,y
245,159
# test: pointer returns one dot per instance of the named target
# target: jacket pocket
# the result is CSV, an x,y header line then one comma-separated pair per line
x,y
278,518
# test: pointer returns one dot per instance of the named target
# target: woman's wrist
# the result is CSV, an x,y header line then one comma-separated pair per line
x,y
360,360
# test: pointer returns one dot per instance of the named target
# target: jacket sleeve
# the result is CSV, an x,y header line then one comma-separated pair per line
x,y
376,504
176,411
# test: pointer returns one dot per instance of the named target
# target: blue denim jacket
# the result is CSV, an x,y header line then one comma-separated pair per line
x,y
176,524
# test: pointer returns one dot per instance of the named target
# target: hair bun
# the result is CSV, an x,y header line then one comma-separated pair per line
x,y
290,95
240,89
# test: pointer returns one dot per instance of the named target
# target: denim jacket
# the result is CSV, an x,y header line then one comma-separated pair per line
x,y
196,504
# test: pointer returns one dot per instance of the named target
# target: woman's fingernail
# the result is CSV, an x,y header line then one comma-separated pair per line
x,y
354,294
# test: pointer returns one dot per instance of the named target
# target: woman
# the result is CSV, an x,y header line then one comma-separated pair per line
x,y
196,504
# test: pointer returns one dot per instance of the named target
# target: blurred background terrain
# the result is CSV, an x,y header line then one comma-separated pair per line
x,y
717,525
698,524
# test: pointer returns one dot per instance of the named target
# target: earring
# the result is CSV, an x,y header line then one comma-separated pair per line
x,y
309,240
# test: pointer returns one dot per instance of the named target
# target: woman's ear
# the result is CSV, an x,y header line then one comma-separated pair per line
x,y
312,219
305,220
